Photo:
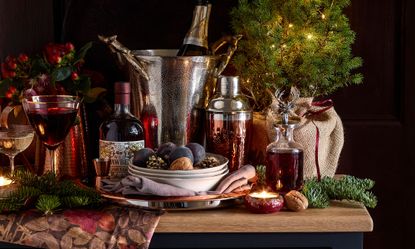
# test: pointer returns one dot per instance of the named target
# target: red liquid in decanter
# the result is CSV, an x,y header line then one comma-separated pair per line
x,y
285,170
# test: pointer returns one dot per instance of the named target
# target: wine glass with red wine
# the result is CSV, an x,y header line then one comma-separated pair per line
x,y
51,116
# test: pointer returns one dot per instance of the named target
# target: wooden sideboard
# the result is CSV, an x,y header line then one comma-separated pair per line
x,y
341,226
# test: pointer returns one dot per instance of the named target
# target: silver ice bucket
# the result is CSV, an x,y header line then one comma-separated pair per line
x,y
169,92
171,101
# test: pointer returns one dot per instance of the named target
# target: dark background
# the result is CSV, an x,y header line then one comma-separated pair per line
x,y
378,116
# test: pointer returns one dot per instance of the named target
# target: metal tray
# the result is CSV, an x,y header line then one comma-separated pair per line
x,y
174,203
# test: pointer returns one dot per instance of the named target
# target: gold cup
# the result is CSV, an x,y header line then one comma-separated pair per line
x,y
102,166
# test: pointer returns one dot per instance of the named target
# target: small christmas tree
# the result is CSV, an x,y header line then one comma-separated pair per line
x,y
302,43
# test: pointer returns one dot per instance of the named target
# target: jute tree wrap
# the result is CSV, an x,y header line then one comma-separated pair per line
x,y
321,134
259,140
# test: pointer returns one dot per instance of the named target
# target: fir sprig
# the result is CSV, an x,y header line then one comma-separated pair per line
x,y
48,203
48,193
351,188
260,171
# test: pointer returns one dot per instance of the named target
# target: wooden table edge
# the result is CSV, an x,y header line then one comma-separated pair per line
x,y
339,217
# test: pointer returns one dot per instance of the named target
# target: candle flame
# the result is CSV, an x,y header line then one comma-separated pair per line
x,y
4,181
264,194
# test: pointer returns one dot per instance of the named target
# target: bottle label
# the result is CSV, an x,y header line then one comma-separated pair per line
x,y
119,154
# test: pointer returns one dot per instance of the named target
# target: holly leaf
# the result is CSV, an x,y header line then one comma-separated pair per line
x,y
84,50
84,85
93,94
61,74
38,65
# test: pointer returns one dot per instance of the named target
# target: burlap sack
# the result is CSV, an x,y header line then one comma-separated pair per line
x,y
320,132
259,140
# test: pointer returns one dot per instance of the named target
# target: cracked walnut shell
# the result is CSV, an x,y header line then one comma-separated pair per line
x,y
296,201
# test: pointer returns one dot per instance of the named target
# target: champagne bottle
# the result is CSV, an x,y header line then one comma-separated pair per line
x,y
122,134
196,43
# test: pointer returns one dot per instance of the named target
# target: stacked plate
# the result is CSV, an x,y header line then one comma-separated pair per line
x,y
197,179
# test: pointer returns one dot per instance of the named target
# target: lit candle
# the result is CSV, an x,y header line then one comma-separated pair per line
x,y
264,194
264,202
4,181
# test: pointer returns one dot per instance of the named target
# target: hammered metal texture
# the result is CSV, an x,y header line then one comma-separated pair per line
x,y
175,95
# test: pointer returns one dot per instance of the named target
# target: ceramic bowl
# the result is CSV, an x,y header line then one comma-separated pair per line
x,y
135,172
195,184
222,160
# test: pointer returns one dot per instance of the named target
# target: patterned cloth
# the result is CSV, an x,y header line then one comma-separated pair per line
x,y
111,227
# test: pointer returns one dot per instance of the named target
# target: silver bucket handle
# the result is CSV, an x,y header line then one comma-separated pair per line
x,y
232,42
120,50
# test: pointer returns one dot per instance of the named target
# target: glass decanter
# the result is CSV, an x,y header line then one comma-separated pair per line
x,y
284,164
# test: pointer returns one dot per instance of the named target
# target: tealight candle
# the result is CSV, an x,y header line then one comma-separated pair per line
x,y
4,181
6,187
264,202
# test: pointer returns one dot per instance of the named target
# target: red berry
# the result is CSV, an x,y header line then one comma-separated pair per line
x,y
12,74
10,92
55,59
74,76
69,47
12,89
23,58
12,65
5,74
4,71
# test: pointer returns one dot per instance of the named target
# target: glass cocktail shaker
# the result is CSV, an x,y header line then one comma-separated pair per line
x,y
229,122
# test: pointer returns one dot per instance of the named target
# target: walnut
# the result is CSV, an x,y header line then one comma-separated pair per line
x,y
182,163
296,201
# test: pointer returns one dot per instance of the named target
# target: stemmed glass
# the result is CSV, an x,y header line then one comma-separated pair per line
x,y
51,116
14,140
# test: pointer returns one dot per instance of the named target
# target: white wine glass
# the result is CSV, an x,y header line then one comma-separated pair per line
x,y
14,140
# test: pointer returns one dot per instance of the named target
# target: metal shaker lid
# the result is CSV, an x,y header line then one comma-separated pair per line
x,y
227,98
228,85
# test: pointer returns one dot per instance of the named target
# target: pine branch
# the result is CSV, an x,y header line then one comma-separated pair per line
x,y
260,171
48,193
48,204
346,188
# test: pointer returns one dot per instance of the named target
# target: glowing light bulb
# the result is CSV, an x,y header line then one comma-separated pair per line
x,y
273,46
323,16
284,45
309,36
290,25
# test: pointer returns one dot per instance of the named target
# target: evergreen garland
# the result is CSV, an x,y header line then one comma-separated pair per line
x,y
319,193
302,43
261,171
47,193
